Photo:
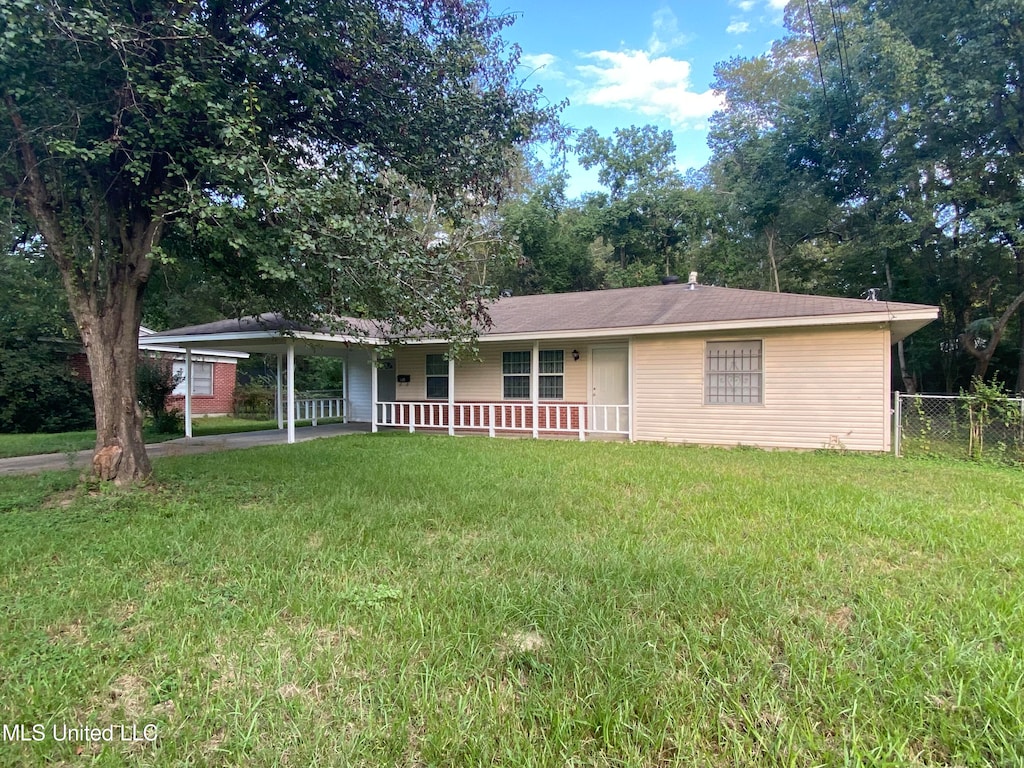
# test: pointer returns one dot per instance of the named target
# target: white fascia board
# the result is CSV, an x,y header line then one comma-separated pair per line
x,y
226,338
181,351
872,318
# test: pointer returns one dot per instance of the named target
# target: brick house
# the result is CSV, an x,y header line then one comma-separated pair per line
x,y
213,377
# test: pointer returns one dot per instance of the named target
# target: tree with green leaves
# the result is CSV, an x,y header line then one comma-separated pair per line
x,y
284,146
883,141
38,390
553,245
652,219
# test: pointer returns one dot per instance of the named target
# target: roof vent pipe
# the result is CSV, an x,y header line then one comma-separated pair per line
x,y
693,281
669,279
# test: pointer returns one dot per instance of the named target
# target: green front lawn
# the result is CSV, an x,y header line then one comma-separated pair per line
x,y
70,442
403,599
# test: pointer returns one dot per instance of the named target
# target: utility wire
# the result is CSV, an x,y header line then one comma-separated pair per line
x,y
817,55
841,48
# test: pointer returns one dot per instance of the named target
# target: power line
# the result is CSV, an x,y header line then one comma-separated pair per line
x,y
817,55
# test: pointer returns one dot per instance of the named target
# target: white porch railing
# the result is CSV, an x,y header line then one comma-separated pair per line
x,y
315,408
577,419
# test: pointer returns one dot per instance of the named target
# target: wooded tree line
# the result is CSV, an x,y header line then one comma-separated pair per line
x,y
877,149
365,157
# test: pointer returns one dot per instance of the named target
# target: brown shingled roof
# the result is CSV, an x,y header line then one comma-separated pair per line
x,y
673,304
652,309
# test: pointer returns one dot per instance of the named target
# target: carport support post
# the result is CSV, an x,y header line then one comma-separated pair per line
x,y
291,392
188,391
373,390
278,410
344,391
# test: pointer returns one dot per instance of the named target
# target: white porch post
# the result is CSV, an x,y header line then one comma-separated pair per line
x,y
188,391
278,410
291,391
373,390
629,386
451,394
344,390
535,385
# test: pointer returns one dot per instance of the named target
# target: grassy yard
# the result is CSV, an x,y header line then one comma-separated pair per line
x,y
414,600
70,442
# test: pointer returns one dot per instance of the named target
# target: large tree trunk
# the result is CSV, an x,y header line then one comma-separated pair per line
x,y
982,356
909,382
769,233
111,345
104,266
1019,388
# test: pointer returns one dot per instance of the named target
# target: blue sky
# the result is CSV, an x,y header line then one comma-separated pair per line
x,y
638,62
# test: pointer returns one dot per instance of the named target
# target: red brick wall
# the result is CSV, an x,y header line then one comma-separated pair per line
x,y
220,402
79,365
222,399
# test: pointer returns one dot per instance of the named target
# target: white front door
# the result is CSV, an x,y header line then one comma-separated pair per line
x,y
609,377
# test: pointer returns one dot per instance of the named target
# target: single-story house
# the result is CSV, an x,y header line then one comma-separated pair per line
x,y
680,362
212,379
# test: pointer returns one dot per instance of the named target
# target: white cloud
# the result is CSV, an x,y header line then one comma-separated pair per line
x,y
738,27
534,61
746,5
654,86
778,5
665,34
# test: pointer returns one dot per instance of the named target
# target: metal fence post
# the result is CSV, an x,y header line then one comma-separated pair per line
x,y
897,422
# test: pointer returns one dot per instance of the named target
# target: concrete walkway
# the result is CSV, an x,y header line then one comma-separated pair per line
x,y
183,446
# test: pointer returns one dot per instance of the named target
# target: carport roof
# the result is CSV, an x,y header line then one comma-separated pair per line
x,y
264,333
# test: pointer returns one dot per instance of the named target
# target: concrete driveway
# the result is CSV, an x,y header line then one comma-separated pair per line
x,y
183,446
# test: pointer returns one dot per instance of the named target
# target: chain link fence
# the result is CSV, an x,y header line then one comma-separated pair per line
x,y
960,427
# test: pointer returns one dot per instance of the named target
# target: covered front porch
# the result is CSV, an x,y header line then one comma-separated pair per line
x,y
558,387
569,388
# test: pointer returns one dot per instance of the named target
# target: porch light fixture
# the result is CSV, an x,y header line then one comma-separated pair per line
x,y
575,355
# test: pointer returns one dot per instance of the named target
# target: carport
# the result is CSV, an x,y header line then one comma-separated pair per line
x,y
271,334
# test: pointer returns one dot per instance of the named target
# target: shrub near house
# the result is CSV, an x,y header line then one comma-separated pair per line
x,y
39,392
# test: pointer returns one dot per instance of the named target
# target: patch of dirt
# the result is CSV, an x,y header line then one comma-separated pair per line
x,y
944,703
841,620
214,743
129,694
290,691
325,639
525,642
225,673
63,499
73,632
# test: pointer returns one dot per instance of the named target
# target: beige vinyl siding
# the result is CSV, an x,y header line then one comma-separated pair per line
x,y
822,388
480,380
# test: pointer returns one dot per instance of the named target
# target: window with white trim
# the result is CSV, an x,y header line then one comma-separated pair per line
x,y
437,377
733,373
515,375
202,378
552,374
